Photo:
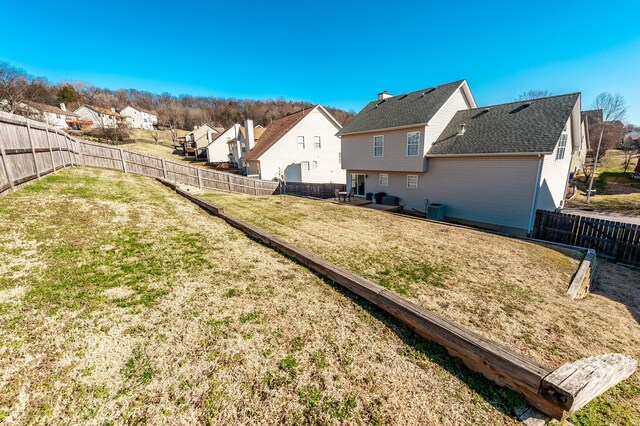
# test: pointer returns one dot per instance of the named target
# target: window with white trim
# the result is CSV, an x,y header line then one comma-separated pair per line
x,y
304,166
300,142
314,164
317,143
412,181
383,179
413,144
378,146
562,146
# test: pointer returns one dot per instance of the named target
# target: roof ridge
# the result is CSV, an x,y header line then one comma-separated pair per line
x,y
521,102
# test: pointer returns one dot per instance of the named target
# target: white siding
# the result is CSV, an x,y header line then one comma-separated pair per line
x,y
218,150
458,101
554,177
492,190
286,156
56,120
99,119
138,119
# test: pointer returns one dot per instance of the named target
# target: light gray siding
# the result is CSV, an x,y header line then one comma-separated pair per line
x,y
554,177
357,151
492,190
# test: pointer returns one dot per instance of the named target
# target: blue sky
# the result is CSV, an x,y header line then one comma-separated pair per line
x,y
336,53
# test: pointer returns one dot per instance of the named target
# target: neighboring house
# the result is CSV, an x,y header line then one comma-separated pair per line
x,y
218,148
491,166
302,146
139,118
101,117
52,115
579,156
631,140
199,138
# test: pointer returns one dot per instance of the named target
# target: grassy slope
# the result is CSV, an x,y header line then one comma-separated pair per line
x,y
616,191
506,289
145,144
122,302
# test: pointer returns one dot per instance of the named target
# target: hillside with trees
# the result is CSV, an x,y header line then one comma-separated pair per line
x,y
182,112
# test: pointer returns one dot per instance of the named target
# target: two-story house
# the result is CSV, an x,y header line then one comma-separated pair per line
x,y
490,166
301,146
101,117
52,115
139,118
197,140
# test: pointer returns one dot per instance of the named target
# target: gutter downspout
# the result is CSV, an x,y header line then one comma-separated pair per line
x,y
535,196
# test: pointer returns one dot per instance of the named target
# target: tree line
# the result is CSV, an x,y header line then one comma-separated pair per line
x,y
182,112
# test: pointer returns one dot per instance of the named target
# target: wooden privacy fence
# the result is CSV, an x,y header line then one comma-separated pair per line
x,y
317,190
618,241
31,149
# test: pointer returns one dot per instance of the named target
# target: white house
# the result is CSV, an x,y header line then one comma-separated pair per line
x,y
101,117
199,138
302,146
139,118
492,166
240,145
52,115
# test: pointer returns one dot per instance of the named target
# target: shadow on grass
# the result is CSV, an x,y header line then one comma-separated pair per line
x,y
421,351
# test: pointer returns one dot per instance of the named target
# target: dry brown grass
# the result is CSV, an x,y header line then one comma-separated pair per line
x,y
137,307
506,289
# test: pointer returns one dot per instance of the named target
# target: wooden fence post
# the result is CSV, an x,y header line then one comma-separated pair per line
x,y
64,166
229,181
53,163
5,164
124,163
199,177
164,169
33,149
255,189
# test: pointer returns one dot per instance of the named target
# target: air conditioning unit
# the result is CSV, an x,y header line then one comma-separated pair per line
x,y
435,211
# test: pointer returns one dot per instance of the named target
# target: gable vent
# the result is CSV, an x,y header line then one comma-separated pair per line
x,y
521,107
402,97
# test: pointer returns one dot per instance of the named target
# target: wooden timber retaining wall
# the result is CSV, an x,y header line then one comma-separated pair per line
x,y
613,240
31,149
554,392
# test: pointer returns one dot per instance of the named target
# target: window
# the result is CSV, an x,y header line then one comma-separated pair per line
x,y
413,144
383,179
314,164
304,166
378,146
317,144
301,143
562,146
412,181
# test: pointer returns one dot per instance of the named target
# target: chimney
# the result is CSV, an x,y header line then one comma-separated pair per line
x,y
462,130
63,106
384,95
248,127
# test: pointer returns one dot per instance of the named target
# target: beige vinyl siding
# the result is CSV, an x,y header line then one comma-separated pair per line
x,y
357,151
441,119
554,176
491,190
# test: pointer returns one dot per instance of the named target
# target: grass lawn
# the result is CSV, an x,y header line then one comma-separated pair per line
x,y
616,191
509,290
121,302
145,144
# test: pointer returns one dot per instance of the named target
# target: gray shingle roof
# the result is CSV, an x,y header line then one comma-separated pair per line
x,y
532,126
402,110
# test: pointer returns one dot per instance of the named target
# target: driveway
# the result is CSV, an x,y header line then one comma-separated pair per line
x,y
635,220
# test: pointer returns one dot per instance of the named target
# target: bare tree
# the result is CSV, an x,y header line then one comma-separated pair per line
x,y
613,110
155,137
14,87
629,154
534,94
